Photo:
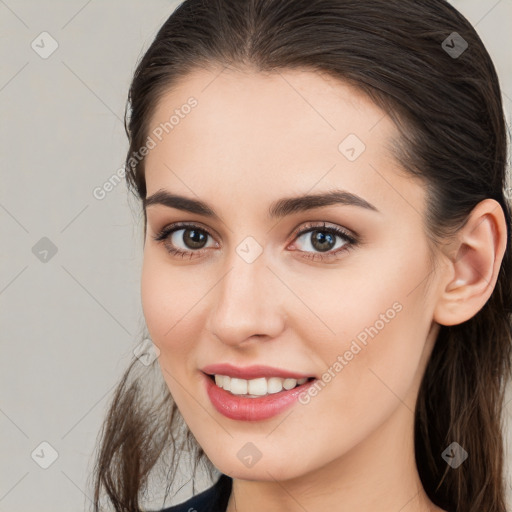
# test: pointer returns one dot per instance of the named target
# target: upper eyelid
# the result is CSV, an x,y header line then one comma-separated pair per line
x,y
310,225
176,226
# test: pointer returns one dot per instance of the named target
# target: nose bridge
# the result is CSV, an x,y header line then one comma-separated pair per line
x,y
246,302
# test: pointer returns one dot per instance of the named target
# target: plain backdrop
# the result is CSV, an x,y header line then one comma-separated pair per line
x,y
70,308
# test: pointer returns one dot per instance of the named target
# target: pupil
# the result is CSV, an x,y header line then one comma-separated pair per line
x,y
319,240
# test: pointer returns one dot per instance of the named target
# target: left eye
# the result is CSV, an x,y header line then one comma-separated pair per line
x,y
323,239
319,238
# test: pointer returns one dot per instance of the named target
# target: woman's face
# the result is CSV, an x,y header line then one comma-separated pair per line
x,y
354,310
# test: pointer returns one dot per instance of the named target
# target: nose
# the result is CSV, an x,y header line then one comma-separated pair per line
x,y
248,303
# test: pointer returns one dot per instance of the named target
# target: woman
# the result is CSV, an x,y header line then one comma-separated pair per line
x,y
326,276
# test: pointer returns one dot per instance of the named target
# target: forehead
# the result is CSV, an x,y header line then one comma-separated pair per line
x,y
253,133
253,106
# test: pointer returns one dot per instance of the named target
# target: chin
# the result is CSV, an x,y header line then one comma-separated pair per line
x,y
263,471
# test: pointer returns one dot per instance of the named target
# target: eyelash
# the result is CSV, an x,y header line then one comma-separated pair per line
x,y
350,240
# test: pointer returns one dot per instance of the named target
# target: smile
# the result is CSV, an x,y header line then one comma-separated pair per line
x,y
243,406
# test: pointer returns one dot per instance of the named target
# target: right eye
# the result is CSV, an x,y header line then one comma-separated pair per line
x,y
191,236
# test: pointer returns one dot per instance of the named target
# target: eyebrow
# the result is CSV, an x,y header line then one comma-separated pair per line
x,y
278,209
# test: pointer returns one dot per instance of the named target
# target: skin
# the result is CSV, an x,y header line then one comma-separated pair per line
x,y
252,139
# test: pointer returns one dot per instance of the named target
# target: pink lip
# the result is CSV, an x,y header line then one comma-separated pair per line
x,y
251,372
252,409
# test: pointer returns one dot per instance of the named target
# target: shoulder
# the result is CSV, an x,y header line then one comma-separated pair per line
x,y
213,499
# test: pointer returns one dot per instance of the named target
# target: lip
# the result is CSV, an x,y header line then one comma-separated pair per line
x,y
251,372
252,409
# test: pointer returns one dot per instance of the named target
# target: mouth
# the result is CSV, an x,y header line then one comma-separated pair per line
x,y
259,387
257,399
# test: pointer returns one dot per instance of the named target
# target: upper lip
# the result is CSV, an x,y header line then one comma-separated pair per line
x,y
251,372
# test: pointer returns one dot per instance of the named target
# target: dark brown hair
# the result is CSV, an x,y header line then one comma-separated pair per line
x,y
448,110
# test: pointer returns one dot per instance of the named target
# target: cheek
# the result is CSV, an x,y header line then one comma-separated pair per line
x,y
154,297
371,367
167,297
381,332
168,301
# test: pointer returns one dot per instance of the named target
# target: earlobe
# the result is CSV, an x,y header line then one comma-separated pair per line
x,y
478,251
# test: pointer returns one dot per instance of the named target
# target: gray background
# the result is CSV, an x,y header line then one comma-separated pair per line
x,y
69,324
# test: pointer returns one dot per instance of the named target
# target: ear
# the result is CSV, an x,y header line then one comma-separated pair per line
x,y
476,255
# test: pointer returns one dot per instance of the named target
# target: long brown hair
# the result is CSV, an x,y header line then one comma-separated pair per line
x,y
424,64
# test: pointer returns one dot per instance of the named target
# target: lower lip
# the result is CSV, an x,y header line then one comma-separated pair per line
x,y
252,409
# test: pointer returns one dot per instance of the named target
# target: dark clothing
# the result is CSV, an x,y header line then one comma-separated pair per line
x,y
213,499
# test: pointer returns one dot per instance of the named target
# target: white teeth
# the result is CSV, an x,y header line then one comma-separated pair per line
x,y
238,386
274,385
256,387
289,383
